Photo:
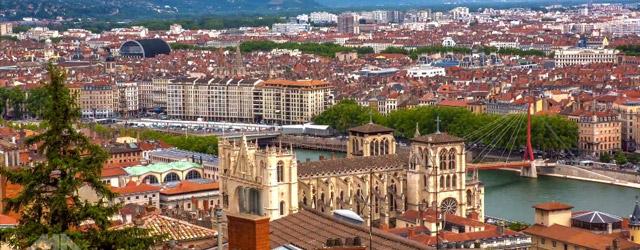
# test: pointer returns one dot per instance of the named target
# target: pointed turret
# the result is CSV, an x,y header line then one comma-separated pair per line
x,y
634,223
417,133
634,220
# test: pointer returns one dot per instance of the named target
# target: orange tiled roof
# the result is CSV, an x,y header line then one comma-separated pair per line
x,y
190,187
7,220
175,229
112,171
552,206
132,187
580,237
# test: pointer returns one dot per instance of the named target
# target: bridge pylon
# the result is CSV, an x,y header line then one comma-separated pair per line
x,y
530,171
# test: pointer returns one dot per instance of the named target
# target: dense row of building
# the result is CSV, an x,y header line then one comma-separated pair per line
x,y
211,99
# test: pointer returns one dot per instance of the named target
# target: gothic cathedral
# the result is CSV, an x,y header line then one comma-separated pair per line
x,y
378,180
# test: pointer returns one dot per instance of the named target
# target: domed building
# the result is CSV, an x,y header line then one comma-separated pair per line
x,y
144,48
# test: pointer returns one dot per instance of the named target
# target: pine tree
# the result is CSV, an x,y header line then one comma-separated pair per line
x,y
49,202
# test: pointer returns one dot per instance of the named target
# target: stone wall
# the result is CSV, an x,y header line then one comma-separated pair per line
x,y
619,175
559,169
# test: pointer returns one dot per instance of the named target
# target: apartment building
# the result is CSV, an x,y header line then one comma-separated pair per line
x,y
584,56
598,132
247,100
292,102
145,94
159,92
382,104
126,98
629,111
219,99
96,100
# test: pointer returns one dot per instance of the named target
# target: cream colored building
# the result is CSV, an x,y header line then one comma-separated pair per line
x,y
212,99
247,100
96,100
293,102
584,56
629,114
599,132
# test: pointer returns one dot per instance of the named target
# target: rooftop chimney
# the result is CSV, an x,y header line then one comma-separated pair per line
x,y
248,232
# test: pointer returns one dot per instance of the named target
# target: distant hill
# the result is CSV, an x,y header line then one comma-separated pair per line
x,y
145,9
136,9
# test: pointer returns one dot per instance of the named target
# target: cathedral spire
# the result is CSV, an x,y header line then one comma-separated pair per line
x,y
417,133
238,57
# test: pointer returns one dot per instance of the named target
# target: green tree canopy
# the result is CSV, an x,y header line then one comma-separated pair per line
x,y
549,132
346,114
49,202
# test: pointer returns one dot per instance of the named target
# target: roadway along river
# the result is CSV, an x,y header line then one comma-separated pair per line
x,y
510,196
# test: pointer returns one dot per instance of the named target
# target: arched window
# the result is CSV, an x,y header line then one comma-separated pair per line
x,y
304,198
441,181
424,180
385,146
452,158
171,177
469,198
281,207
372,147
150,179
280,169
454,181
448,181
425,157
443,159
193,174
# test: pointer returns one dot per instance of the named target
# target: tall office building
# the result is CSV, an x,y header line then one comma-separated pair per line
x,y
348,24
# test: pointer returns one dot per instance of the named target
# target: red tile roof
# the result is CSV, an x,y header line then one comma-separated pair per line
x,y
576,236
113,171
7,220
190,187
132,188
552,206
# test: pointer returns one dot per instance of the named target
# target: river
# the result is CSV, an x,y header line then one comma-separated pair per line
x,y
509,196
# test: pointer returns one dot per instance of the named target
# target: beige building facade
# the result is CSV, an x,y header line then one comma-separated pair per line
x,y
599,132
247,100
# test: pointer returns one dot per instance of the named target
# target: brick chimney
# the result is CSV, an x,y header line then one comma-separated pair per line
x,y
411,232
248,232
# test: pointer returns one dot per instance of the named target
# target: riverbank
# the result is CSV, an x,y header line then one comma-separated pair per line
x,y
579,174
617,183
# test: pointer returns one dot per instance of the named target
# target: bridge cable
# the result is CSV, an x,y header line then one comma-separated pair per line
x,y
491,132
497,138
514,135
556,136
487,128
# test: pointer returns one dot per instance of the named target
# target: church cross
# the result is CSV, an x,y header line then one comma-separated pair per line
x,y
438,124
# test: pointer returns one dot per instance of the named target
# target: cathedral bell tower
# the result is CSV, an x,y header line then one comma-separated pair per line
x,y
258,181
437,175
369,140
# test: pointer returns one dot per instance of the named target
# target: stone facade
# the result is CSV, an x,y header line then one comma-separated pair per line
x,y
256,181
432,173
